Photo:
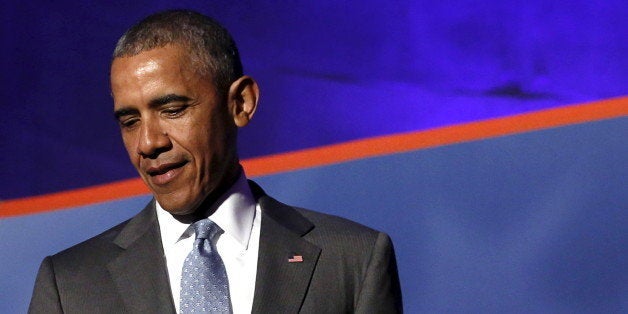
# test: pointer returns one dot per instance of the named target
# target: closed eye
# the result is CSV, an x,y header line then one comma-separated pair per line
x,y
174,111
128,122
126,117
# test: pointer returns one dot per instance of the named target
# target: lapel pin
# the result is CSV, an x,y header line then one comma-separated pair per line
x,y
296,259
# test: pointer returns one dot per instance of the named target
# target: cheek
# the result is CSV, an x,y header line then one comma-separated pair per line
x,y
202,135
129,141
192,133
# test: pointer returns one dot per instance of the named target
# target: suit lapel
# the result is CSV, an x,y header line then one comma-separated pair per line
x,y
139,271
281,285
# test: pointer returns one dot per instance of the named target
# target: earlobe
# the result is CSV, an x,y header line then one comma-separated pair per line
x,y
243,98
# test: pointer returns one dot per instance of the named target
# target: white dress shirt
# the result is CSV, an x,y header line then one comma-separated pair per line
x,y
239,216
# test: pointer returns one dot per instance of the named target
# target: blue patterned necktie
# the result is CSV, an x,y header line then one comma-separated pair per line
x,y
204,284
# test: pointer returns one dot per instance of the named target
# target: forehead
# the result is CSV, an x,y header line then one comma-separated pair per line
x,y
161,60
154,72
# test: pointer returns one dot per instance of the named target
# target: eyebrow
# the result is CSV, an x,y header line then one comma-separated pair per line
x,y
156,102
166,99
123,112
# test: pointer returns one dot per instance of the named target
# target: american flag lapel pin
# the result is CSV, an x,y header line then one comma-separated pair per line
x,y
296,259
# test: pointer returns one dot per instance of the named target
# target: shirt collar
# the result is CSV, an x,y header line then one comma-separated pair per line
x,y
234,214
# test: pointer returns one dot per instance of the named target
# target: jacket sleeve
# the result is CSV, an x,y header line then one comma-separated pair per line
x,y
380,290
45,294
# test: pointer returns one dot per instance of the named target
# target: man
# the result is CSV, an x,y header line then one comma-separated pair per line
x,y
179,96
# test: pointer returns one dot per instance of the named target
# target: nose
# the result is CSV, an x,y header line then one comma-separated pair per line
x,y
153,139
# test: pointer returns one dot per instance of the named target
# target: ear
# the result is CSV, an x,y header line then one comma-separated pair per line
x,y
242,100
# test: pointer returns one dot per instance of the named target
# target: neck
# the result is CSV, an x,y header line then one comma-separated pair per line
x,y
209,206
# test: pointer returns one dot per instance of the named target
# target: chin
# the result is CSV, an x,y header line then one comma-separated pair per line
x,y
179,212
175,207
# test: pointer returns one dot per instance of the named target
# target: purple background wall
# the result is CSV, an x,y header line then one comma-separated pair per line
x,y
329,72
332,72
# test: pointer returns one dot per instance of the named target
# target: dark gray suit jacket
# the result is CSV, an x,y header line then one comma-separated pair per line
x,y
346,268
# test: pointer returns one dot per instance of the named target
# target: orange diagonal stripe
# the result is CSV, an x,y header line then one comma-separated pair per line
x,y
371,147
397,143
73,198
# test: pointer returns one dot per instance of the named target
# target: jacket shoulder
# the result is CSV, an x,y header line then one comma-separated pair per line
x,y
340,236
336,224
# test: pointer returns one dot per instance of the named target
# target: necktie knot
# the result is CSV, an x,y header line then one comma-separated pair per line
x,y
206,229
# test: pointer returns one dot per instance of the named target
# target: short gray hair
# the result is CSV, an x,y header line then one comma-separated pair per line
x,y
212,50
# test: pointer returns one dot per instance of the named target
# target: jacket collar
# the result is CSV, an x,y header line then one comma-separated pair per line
x,y
139,270
285,266
286,260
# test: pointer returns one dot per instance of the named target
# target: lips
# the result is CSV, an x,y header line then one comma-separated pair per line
x,y
165,173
